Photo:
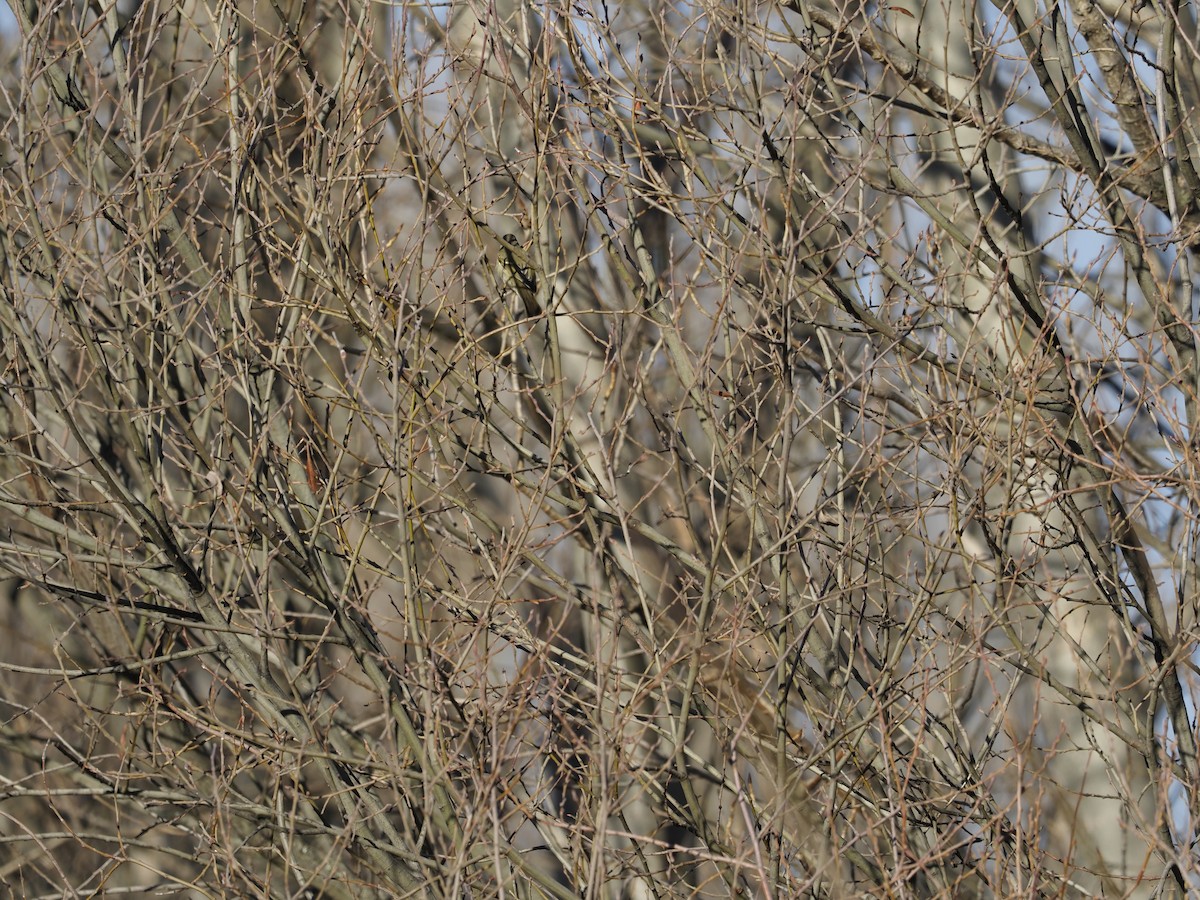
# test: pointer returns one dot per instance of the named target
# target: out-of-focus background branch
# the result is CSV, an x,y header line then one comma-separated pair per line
x,y
599,450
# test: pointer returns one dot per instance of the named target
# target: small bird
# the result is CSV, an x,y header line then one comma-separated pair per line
x,y
518,277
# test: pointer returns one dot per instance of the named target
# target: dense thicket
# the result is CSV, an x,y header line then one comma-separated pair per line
x,y
632,449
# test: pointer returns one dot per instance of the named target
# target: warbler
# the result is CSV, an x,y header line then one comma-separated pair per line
x,y
517,276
